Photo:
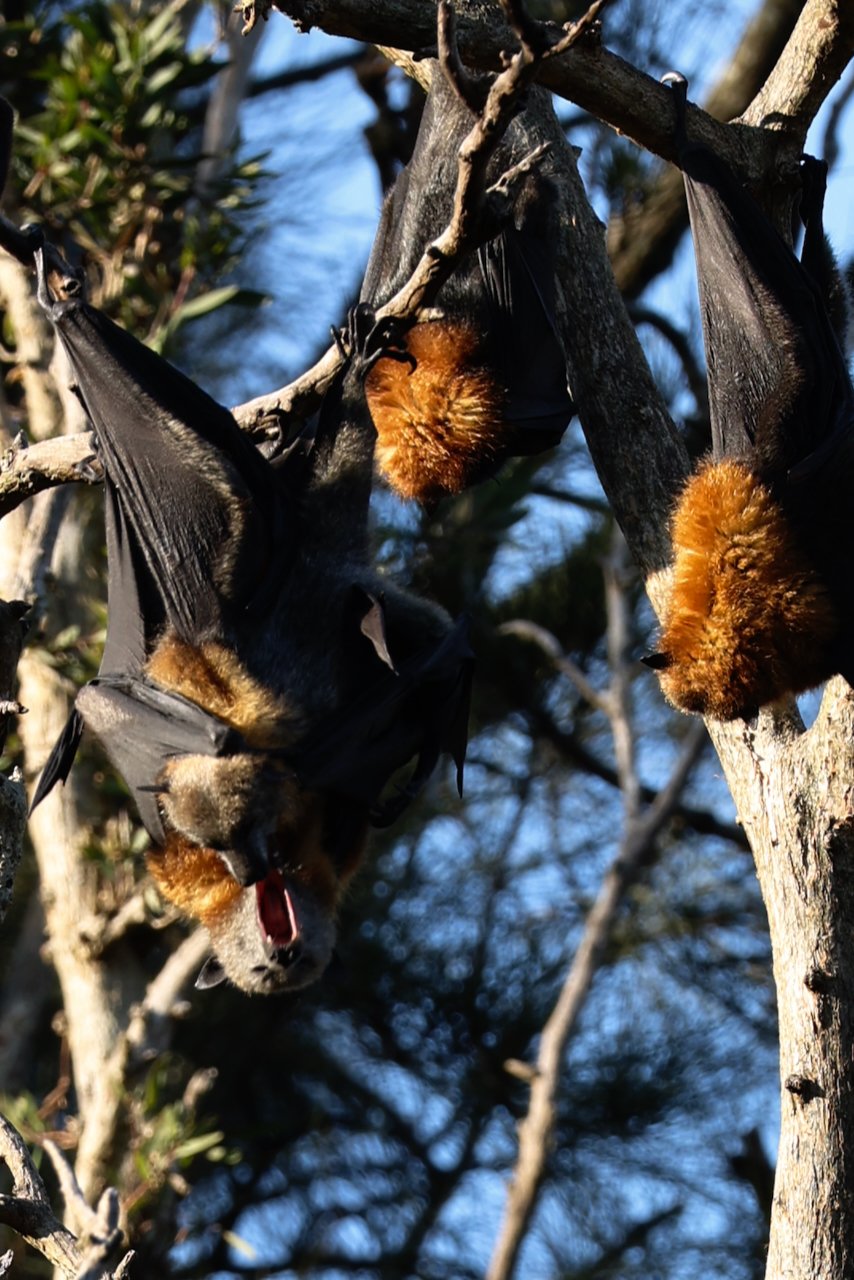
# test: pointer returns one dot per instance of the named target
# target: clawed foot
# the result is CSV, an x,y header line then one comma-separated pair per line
x,y
367,340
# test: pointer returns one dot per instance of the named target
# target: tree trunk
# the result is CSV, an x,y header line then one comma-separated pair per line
x,y
794,792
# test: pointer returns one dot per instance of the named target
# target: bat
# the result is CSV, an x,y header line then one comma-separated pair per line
x,y
261,681
762,602
486,375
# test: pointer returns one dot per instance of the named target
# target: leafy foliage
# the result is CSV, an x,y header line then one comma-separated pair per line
x,y
107,147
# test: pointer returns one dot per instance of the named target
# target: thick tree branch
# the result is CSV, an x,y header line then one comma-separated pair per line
x,y
820,48
641,241
26,470
587,74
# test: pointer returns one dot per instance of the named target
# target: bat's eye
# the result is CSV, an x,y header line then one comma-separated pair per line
x,y
658,661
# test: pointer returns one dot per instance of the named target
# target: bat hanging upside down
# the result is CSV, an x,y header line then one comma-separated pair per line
x,y
486,374
261,682
762,602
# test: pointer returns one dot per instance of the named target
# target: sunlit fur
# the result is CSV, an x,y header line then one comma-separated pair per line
x,y
439,424
213,677
197,881
207,794
749,619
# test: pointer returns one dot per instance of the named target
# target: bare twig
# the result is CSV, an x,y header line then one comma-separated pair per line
x,y
471,89
477,209
28,1212
148,1029
574,31
98,1229
550,646
536,1128
640,832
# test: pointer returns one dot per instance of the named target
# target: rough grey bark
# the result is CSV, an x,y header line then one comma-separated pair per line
x,y
793,790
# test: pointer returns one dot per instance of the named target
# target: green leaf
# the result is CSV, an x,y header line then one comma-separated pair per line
x,y
160,79
195,1146
162,32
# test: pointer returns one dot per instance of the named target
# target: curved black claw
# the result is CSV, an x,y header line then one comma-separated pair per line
x,y
678,85
367,340
89,470
387,341
58,286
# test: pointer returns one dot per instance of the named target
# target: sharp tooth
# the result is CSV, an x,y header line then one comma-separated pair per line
x,y
292,915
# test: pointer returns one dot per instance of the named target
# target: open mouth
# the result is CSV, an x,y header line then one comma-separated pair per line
x,y
277,915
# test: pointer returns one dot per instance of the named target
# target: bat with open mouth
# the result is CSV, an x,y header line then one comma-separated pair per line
x,y
486,375
261,682
762,602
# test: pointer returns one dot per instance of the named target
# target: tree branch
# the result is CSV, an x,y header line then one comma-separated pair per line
x,y
587,74
640,832
642,240
28,1212
477,211
26,470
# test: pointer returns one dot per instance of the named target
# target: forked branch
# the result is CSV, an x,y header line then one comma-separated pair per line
x,y
478,209
92,1254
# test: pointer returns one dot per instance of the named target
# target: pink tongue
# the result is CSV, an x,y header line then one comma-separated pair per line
x,y
276,910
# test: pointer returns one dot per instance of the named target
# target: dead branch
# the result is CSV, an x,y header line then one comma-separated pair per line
x,y
477,209
641,829
587,74
28,1212
150,1023
524,629
26,470
98,1230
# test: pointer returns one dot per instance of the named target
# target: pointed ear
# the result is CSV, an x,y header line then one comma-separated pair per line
x,y
372,624
212,975
658,661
